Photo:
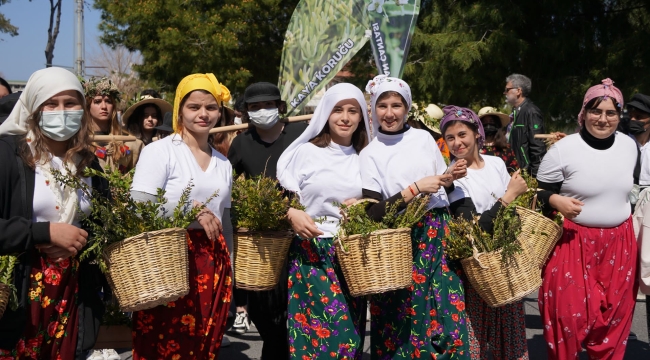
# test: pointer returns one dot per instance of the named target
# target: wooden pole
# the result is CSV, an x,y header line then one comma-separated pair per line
x,y
212,131
545,136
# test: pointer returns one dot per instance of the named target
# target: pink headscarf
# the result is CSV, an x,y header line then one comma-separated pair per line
x,y
606,89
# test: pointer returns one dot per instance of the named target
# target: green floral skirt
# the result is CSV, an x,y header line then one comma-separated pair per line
x,y
426,320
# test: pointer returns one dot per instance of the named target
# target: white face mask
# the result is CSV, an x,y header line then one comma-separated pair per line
x,y
60,125
264,118
237,120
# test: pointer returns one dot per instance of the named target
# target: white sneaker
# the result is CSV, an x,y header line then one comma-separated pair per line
x,y
96,355
225,342
110,354
242,324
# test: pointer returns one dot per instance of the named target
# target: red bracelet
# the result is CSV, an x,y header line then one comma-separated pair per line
x,y
410,189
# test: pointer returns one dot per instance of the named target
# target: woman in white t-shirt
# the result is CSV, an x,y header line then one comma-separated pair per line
x,y
191,327
427,319
482,192
322,168
589,283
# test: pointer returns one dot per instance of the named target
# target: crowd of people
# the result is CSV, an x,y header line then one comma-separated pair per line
x,y
345,153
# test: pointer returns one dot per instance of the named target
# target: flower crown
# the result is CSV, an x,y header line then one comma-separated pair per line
x,y
101,86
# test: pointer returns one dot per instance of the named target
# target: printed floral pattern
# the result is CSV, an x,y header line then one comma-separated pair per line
x,y
589,291
324,320
507,155
426,320
191,327
106,157
52,303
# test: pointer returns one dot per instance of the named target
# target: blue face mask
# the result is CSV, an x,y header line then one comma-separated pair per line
x,y
60,125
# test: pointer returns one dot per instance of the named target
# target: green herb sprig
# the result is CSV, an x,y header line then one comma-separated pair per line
x,y
117,217
7,265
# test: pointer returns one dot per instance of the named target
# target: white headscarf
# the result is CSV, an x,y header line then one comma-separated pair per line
x,y
287,174
381,84
42,85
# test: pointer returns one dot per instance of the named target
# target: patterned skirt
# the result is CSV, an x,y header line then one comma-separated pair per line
x,y
191,327
325,321
426,320
52,312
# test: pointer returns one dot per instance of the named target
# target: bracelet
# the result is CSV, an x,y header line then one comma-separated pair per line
x,y
503,202
417,187
411,189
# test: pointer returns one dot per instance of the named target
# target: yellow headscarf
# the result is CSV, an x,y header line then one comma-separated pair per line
x,y
207,82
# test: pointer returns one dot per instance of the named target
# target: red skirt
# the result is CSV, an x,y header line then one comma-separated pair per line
x,y
51,331
589,291
191,327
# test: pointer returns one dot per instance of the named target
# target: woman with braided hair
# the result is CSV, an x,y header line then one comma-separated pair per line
x,y
102,99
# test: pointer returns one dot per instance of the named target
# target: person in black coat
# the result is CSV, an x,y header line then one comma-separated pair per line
x,y
527,122
58,310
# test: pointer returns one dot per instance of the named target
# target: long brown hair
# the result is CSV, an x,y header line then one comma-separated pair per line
x,y
79,146
116,129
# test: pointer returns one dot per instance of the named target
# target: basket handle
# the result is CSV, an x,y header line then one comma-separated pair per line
x,y
533,206
476,254
339,242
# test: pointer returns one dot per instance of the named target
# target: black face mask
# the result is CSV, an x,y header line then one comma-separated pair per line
x,y
637,127
490,129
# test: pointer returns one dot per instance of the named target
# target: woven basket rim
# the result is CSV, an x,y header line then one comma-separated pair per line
x,y
149,233
378,232
540,216
274,233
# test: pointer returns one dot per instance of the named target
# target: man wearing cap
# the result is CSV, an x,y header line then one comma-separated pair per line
x,y
256,151
527,122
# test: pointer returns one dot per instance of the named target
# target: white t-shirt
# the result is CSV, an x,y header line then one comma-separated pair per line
x,y
170,165
484,186
327,175
601,179
392,162
45,206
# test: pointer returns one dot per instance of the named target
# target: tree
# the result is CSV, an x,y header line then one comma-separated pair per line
x,y
463,50
52,31
117,64
5,24
238,41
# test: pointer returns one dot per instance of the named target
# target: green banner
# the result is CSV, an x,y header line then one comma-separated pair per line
x,y
392,24
322,37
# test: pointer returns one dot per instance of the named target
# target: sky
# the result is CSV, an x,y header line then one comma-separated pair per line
x,y
21,55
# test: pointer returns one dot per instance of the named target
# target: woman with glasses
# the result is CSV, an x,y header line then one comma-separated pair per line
x,y
589,283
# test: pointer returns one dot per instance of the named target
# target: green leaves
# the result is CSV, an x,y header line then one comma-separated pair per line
x,y
7,265
259,204
119,216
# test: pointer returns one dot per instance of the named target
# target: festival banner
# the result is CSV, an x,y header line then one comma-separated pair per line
x,y
322,37
392,24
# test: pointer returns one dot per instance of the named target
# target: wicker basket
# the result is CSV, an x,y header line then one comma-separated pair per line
x,y
5,291
149,269
499,284
378,263
541,232
260,258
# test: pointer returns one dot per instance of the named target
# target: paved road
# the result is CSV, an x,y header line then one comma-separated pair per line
x,y
249,346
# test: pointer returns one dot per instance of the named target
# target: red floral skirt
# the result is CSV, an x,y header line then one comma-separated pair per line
x,y
51,331
191,327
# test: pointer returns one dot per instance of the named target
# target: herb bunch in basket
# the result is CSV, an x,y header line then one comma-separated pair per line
x,y
526,199
259,204
467,234
118,216
355,220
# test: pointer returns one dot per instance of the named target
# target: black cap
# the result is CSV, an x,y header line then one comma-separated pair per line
x,y
261,91
641,102
167,123
7,104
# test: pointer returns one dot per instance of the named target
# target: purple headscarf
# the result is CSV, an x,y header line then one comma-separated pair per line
x,y
453,112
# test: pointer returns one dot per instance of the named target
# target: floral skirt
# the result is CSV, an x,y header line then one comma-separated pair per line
x,y
325,321
502,329
191,327
51,332
426,320
588,293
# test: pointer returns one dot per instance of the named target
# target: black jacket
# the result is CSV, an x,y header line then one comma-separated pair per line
x,y
19,234
528,150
